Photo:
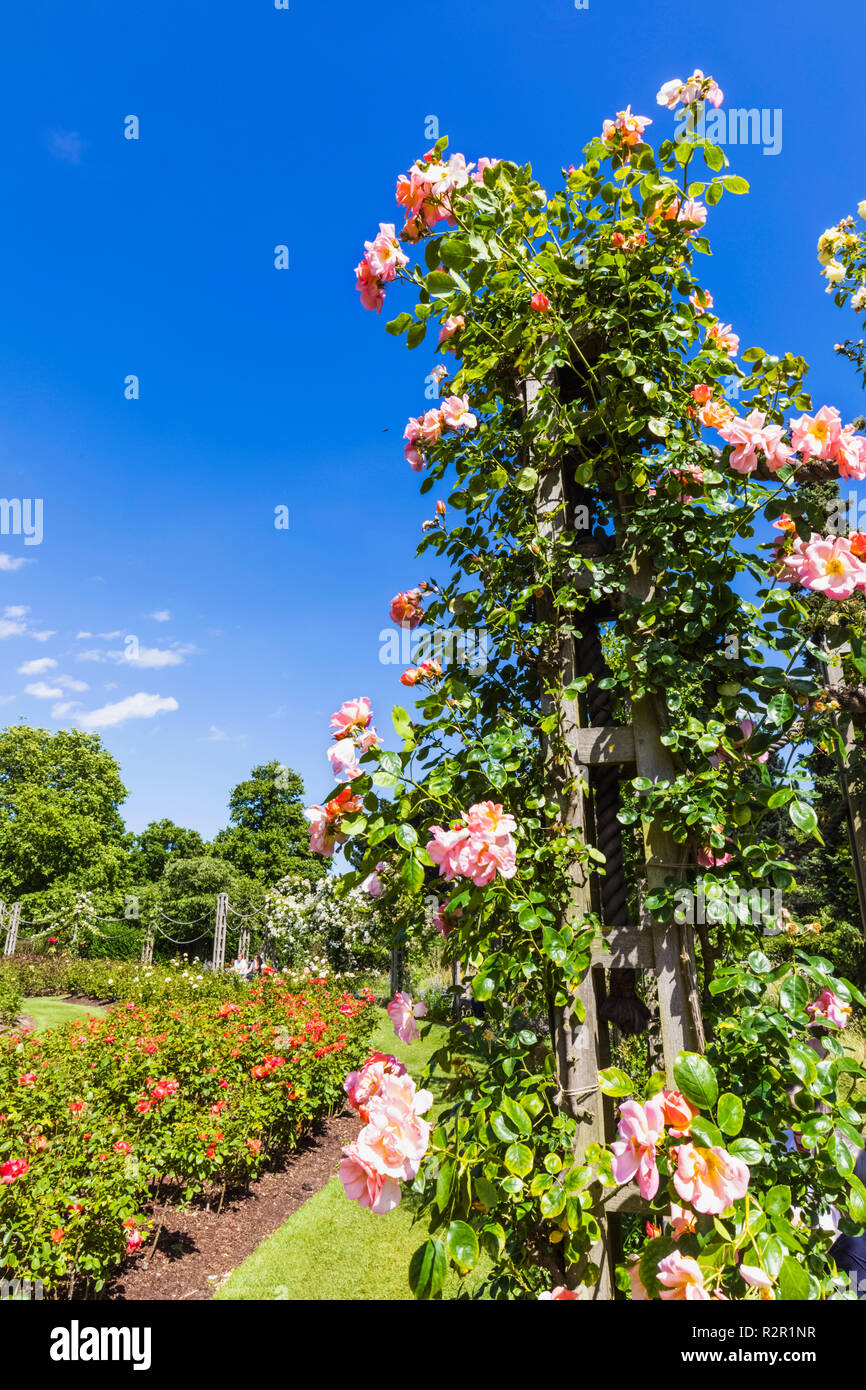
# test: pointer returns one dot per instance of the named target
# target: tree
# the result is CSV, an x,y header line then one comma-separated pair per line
x,y
268,838
60,795
158,842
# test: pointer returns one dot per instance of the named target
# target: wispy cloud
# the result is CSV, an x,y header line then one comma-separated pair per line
x,y
150,657
40,691
12,562
38,666
66,145
162,615
139,706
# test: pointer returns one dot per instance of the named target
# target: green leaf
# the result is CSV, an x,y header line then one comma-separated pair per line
x,y
552,1202
747,1149
517,1115
781,710
614,1082
427,1269
416,334
652,1254
794,995
778,1200
406,835
493,1239
714,157
730,1113
803,817
454,253
439,284
793,1281
518,1160
705,1133
485,984
399,324
444,1182
401,721
735,184
526,480
857,1201
412,875
461,1245
696,1079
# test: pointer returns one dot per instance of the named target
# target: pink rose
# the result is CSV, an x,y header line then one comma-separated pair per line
x,y
683,1279
641,1127
364,1183
403,1013
710,1180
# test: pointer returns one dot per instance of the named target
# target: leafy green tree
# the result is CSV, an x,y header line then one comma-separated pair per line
x,y
60,821
268,838
157,843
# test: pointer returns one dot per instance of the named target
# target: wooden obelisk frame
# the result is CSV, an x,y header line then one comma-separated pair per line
x,y
582,1049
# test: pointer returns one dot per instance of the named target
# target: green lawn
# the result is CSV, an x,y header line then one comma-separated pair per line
x,y
48,1012
331,1248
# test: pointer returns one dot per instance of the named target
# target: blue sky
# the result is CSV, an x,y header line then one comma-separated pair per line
x,y
261,387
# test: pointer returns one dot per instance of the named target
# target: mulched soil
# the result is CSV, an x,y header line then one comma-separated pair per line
x,y
198,1249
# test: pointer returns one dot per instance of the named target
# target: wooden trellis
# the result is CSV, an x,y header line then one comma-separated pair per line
x,y
586,764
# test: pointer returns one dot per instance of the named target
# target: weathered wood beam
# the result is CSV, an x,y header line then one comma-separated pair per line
x,y
613,743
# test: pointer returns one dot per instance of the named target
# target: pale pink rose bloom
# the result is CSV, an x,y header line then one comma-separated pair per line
x,y
403,1013
682,1221
638,1291
708,858
817,436
395,1139
365,1185
851,455
483,163
372,294
322,837
683,1279
448,849
451,326
756,1277
384,255
369,739
678,1112
489,858
641,1127
829,1008
361,1086
352,714
488,818
414,459
727,340
630,127
558,1295
692,211
711,1180
431,425
669,93
373,884
412,432
457,415
747,436
828,567
343,760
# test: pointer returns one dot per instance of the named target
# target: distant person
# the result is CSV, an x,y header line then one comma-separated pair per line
x,y
241,965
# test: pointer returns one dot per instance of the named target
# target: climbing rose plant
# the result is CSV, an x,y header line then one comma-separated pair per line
x,y
593,297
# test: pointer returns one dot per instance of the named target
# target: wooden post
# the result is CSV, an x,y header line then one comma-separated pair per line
x,y
147,946
12,930
579,1048
219,937
853,804
398,969
673,946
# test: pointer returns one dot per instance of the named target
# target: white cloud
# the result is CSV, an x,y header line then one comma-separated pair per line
x,y
69,683
12,562
58,711
44,635
140,706
111,636
80,635
150,657
42,691
16,610
216,735
6,699
11,627
66,145
37,667
162,615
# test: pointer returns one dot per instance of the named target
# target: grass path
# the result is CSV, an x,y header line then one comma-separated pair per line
x,y
49,1013
332,1249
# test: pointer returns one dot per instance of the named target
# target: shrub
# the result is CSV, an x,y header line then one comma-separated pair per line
x,y
195,1093
11,997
